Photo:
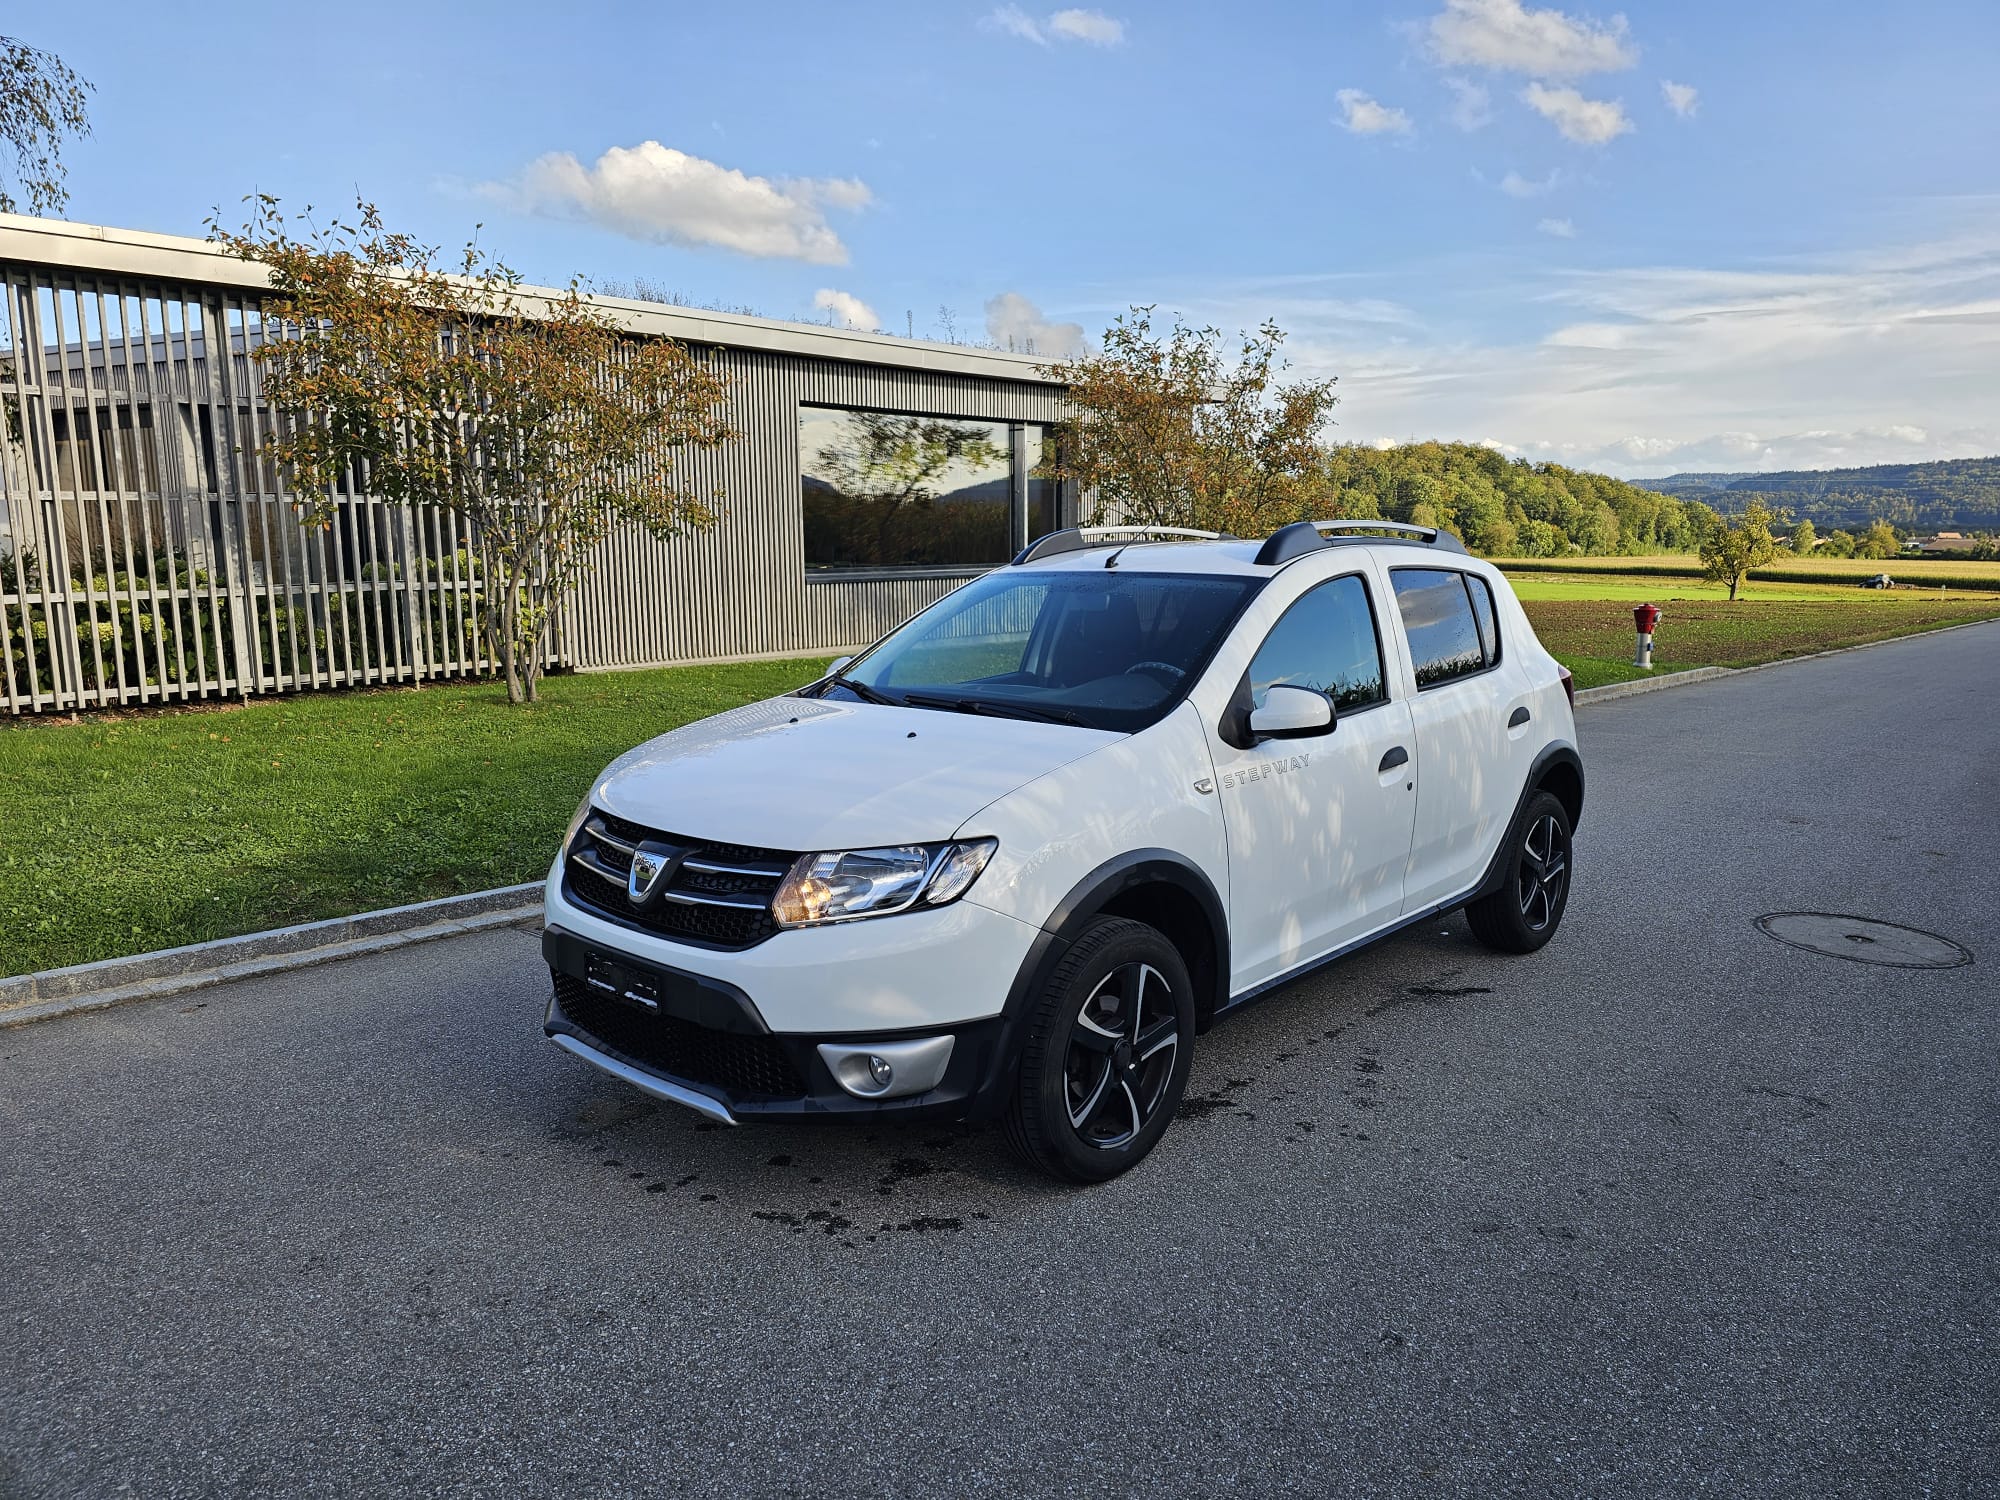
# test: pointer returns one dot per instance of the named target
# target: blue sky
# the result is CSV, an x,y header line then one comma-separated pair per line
x,y
1493,220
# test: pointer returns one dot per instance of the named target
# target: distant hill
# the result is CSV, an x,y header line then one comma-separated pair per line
x,y
1958,494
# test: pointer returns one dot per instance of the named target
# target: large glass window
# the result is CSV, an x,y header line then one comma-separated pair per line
x,y
885,490
1327,642
1444,634
1105,649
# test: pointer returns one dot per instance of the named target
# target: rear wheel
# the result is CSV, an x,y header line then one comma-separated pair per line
x,y
1525,911
1108,1048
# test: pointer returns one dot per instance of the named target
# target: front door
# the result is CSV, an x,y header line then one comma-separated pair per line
x,y
1319,828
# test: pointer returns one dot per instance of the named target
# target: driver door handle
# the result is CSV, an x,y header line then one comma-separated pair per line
x,y
1397,756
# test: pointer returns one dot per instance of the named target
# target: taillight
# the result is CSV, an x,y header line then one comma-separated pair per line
x,y
1569,686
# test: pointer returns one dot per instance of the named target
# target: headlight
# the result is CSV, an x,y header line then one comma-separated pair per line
x,y
853,883
576,822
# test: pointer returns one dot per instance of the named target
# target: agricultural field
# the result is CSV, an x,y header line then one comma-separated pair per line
x,y
1929,573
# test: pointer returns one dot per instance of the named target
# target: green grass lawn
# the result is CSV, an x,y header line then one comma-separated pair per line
x,y
130,832
127,832
1592,633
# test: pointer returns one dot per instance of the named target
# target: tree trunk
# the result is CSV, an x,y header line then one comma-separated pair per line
x,y
510,632
1735,582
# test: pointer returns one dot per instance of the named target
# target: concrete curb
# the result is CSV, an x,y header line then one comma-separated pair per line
x,y
173,971
1612,691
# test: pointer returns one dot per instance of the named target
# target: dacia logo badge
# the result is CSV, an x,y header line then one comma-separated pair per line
x,y
653,866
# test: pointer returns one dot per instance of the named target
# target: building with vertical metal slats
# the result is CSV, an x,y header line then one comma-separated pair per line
x,y
148,555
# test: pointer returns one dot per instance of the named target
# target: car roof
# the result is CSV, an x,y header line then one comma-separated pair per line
x,y
1230,557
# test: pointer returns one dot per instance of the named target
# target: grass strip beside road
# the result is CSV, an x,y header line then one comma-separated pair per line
x,y
1594,637
129,832
134,831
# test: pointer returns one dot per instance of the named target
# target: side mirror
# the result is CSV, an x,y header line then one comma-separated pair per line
x,y
1291,713
839,663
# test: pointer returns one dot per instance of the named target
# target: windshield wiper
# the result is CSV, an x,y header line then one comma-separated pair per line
x,y
860,690
997,710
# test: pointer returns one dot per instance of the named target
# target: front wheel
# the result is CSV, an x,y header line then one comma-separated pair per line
x,y
1109,1045
1534,890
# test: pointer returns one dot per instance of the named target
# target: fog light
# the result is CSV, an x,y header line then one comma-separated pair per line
x,y
888,1070
880,1071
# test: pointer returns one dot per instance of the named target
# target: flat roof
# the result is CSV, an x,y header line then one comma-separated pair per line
x,y
96,249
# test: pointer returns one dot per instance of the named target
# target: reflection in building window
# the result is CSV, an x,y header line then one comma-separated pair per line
x,y
886,490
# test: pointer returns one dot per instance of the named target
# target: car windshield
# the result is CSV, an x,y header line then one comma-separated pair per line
x,y
1104,649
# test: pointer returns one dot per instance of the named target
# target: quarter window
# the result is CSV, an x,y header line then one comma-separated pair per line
x,y
1449,619
1327,642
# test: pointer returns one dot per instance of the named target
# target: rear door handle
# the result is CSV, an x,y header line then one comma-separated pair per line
x,y
1397,756
1519,718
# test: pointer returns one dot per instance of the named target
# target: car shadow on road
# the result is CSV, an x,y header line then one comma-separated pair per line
x,y
1301,1068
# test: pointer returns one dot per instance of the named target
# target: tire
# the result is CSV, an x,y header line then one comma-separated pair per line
x,y
1088,1103
1525,911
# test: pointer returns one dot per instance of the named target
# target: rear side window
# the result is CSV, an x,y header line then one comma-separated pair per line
x,y
1327,642
1448,638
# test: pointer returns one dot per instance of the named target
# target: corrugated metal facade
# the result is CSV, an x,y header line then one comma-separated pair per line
x,y
147,556
742,589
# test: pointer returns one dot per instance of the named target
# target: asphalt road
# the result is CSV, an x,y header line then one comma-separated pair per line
x,y
1668,1208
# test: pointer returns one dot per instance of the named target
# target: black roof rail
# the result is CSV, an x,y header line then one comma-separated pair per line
x,y
1076,538
1301,537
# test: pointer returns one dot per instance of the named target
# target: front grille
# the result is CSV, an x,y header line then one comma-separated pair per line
x,y
730,1060
720,897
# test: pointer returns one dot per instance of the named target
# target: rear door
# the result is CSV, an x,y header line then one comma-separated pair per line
x,y
1466,782
1319,827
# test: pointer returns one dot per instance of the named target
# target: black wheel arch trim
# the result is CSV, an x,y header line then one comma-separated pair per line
x,y
1086,901
1551,757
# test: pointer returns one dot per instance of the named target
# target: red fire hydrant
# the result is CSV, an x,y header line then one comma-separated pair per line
x,y
1646,616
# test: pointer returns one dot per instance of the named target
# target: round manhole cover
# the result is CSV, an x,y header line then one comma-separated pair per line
x,y
1864,941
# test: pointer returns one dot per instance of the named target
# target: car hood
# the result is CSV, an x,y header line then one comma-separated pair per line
x,y
804,774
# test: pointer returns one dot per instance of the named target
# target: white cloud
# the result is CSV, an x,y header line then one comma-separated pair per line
x,y
1507,37
1011,20
1888,356
1588,122
1682,98
1362,115
654,193
1091,26
1562,229
1472,106
848,310
1013,322
1514,185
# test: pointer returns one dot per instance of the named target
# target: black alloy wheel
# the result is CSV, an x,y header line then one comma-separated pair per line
x,y
1533,893
1109,1039
1121,1058
1542,874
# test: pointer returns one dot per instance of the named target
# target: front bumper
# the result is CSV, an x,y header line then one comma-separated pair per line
x,y
698,1041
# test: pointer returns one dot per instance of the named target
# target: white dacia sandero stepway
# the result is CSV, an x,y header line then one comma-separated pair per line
x,y
1013,859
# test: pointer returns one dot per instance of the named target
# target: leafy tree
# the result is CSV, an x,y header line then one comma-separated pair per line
x,y
1804,539
41,101
1838,544
1167,430
1732,549
530,414
1880,540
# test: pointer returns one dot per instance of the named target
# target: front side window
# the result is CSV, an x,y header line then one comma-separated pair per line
x,y
1327,642
1104,649
1447,639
